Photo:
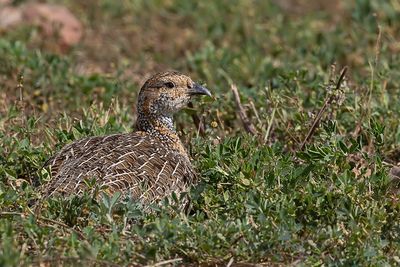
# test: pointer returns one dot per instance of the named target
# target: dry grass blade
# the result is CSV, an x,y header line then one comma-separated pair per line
x,y
197,122
327,102
248,126
166,262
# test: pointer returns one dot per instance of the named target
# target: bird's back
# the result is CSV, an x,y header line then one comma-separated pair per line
x,y
134,164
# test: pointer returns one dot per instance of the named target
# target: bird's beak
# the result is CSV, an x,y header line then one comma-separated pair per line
x,y
197,89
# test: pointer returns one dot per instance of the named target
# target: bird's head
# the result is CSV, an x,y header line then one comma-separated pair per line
x,y
166,93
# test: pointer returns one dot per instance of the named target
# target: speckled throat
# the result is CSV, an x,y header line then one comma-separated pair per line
x,y
155,125
161,127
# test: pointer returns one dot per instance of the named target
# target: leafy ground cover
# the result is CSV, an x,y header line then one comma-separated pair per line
x,y
262,197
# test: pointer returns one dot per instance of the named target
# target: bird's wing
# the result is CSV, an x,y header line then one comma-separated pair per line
x,y
133,164
150,173
69,152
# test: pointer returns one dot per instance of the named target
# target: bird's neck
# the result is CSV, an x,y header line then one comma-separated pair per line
x,y
158,125
161,126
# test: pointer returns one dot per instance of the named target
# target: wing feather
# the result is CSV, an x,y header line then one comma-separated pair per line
x,y
133,164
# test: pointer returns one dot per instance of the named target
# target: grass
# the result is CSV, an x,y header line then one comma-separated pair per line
x,y
261,199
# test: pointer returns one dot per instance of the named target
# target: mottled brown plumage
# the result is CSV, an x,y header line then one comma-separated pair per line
x,y
147,164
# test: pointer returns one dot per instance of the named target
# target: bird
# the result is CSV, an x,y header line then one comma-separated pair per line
x,y
146,164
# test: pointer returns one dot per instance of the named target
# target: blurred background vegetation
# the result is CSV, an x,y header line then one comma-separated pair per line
x,y
262,198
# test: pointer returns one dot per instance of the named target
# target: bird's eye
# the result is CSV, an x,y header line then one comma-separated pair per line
x,y
170,84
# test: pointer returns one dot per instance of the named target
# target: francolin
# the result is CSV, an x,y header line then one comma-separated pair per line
x,y
147,164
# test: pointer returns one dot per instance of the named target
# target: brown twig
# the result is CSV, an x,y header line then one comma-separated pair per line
x,y
20,86
378,45
197,122
328,101
248,126
220,122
